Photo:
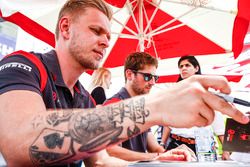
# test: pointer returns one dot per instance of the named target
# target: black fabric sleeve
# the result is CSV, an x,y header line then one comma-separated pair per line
x,y
99,95
18,73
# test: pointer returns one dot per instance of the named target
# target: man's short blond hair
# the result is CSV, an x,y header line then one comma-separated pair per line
x,y
74,7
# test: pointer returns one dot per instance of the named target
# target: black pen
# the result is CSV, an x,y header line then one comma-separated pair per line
x,y
231,99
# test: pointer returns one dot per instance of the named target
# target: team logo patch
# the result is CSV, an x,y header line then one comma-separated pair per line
x,y
16,65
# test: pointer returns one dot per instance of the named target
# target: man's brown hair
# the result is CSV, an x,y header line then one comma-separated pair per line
x,y
74,7
138,60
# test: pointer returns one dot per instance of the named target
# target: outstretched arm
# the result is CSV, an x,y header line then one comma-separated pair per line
x,y
102,159
34,136
130,155
31,136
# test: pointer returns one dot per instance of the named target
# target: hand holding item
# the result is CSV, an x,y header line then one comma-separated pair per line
x,y
194,105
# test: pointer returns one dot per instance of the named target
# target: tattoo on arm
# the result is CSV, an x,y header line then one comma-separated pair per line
x,y
87,131
56,118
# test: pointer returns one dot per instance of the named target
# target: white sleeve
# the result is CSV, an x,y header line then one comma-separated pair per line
x,y
218,124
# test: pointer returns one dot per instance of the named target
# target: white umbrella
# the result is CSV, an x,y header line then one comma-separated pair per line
x,y
197,27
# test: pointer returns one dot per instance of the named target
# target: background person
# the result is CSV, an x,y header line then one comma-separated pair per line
x,y
140,77
100,81
188,66
45,121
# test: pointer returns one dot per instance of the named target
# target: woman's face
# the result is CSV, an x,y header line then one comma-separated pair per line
x,y
187,69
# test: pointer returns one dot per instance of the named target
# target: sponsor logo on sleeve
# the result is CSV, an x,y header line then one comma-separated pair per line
x,y
16,65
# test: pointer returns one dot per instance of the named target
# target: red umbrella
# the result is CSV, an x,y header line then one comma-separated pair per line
x,y
171,28
172,35
164,28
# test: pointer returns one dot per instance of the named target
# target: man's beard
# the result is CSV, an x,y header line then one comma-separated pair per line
x,y
137,90
83,60
87,64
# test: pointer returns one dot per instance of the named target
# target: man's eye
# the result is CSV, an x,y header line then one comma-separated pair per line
x,y
95,31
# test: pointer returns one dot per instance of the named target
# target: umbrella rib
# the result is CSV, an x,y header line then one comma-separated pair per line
x,y
132,14
167,29
150,40
152,17
125,27
169,22
156,53
202,6
141,33
120,35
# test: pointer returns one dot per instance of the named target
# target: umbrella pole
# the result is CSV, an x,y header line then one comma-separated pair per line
x,y
141,33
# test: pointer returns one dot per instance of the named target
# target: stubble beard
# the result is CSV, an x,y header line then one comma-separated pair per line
x,y
137,90
77,52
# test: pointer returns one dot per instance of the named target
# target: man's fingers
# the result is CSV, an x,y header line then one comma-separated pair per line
x,y
186,153
224,107
181,154
215,82
215,102
207,114
172,157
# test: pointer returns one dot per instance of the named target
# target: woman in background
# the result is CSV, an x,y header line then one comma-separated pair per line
x,y
101,80
188,66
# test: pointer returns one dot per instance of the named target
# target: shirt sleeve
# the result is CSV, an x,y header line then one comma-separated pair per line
x,y
218,124
18,73
111,100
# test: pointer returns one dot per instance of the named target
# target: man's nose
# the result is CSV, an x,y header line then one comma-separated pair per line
x,y
104,41
152,81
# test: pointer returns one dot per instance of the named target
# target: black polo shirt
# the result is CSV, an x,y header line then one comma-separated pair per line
x,y
26,76
19,73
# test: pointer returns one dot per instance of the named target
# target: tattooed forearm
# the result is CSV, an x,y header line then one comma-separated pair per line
x,y
58,117
52,119
95,129
86,132
37,121
51,147
134,131
133,110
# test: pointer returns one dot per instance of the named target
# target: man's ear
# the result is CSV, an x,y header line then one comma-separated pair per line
x,y
64,27
128,74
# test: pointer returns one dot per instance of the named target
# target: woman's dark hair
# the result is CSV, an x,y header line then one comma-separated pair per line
x,y
193,61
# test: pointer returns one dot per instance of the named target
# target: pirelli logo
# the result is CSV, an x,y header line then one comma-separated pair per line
x,y
16,65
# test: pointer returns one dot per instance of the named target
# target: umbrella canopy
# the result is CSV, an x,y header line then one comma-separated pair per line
x,y
172,28
164,28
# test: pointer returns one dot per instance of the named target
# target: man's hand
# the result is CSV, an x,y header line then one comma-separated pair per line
x,y
189,103
225,155
175,155
185,147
